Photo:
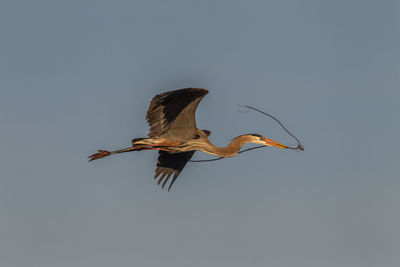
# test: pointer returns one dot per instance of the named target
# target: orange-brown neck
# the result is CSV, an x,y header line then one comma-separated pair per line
x,y
230,150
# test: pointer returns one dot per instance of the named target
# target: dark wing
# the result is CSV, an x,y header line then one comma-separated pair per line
x,y
171,164
173,113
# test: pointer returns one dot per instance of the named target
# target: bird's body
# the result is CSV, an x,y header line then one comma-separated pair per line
x,y
173,131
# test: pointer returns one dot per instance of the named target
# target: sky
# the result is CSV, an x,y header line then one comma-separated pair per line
x,y
77,76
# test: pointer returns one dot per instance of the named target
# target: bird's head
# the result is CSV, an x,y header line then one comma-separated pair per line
x,y
262,140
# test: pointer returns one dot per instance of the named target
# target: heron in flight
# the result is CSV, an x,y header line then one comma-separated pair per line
x,y
173,132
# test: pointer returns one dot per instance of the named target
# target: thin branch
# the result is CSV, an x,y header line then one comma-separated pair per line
x,y
299,145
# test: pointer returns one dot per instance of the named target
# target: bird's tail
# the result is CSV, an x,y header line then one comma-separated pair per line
x,y
147,141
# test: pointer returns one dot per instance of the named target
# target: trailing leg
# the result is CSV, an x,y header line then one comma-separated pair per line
x,y
137,145
105,153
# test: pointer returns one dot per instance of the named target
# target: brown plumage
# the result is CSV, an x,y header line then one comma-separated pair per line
x,y
173,131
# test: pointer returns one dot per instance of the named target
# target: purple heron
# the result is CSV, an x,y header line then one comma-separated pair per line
x,y
173,131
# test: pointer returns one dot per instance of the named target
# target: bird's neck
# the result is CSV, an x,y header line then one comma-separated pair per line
x,y
230,150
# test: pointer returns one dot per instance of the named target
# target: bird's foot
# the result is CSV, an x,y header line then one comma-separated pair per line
x,y
101,154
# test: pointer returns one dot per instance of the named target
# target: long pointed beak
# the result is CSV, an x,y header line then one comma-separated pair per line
x,y
270,142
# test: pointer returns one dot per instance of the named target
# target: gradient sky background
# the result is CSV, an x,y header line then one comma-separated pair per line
x,y
76,76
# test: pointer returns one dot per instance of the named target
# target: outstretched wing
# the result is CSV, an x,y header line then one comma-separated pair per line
x,y
172,113
171,164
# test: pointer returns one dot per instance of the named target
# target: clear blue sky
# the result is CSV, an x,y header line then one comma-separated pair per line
x,y
76,76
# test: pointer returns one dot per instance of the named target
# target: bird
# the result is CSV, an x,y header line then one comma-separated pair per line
x,y
174,133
